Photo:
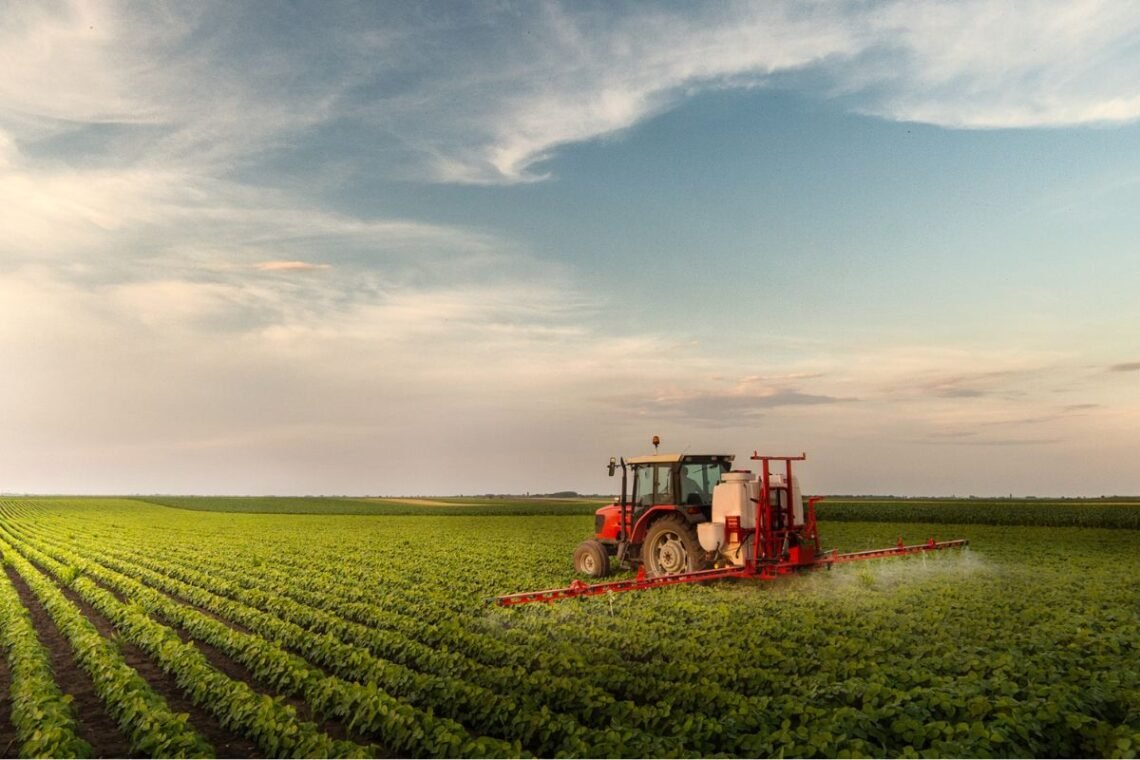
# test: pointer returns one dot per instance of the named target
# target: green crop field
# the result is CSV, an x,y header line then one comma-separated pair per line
x,y
136,629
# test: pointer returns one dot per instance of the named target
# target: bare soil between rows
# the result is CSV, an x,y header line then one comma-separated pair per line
x,y
238,672
9,741
96,725
101,731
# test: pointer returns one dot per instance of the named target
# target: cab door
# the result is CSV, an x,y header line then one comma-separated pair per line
x,y
653,486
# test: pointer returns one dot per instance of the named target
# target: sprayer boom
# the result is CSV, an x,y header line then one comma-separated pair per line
x,y
764,571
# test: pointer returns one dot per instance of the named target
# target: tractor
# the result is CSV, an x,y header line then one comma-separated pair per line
x,y
690,518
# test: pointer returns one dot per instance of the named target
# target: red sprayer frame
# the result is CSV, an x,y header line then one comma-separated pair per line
x,y
776,550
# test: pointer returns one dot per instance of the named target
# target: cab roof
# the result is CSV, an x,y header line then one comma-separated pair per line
x,y
668,458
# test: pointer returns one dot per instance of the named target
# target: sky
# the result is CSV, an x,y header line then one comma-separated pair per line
x,y
439,248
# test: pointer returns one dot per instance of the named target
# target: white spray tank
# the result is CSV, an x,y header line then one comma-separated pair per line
x,y
733,508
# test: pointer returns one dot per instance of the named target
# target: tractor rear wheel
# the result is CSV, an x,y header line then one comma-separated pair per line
x,y
671,547
592,559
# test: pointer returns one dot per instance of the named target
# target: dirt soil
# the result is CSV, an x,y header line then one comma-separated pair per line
x,y
9,743
226,742
235,670
95,724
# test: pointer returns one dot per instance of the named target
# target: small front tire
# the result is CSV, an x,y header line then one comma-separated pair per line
x,y
592,559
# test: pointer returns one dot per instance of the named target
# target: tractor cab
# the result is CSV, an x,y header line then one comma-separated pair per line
x,y
681,481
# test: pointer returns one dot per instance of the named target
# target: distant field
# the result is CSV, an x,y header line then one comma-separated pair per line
x,y
1059,513
323,505
1063,513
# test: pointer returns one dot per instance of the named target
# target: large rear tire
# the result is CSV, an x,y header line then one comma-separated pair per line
x,y
592,559
671,547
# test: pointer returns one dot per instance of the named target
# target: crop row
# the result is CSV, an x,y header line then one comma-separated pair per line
x,y
141,713
522,656
272,725
41,715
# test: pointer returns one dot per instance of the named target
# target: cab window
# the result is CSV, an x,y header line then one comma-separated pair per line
x,y
643,485
654,484
697,481
664,492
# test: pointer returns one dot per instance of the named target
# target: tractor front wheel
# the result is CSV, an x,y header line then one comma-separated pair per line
x,y
591,558
671,547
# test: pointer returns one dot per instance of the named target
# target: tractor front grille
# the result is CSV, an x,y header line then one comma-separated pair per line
x,y
599,521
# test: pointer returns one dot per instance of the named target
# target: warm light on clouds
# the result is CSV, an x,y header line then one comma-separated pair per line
x,y
289,266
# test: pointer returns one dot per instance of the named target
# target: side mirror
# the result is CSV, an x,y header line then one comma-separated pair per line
x,y
613,466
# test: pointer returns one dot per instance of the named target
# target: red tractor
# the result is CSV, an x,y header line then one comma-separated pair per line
x,y
688,518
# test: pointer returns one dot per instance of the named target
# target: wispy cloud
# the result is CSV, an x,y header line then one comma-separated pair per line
x,y
980,64
150,219
127,132
968,440
974,385
1125,367
190,86
721,402
289,266
519,82
571,75
73,63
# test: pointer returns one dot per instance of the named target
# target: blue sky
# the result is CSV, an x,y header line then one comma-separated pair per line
x,y
437,248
